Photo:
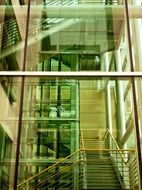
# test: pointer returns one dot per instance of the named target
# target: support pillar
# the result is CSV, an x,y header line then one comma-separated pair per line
x,y
120,98
138,38
75,137
108,96
138,59
74,106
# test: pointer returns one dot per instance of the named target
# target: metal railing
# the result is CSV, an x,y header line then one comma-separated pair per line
x,y
60,177
103,2
72,170
124,162
13,38
133,172
11,33
83,164
37,32
60,174
61,2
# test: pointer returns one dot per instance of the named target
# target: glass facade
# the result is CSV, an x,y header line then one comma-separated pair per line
x,y
70,93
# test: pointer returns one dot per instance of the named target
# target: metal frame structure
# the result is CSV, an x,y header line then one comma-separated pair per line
x,y
61,11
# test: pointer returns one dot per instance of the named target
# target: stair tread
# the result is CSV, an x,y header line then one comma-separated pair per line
x,y
102,185
112,183
100,172
100,167
98,187
106,177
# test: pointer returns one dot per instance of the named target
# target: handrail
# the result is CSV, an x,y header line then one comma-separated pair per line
x,y
66,167
125,163
118,2
48,169
69,180
66,158
52,176
57,173
116,154
104,137
114,141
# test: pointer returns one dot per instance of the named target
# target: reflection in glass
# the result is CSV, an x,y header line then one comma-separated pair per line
x,y
73,38
56,111
68,120
9,98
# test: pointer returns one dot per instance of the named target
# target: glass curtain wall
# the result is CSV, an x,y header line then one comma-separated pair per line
x,y
69,93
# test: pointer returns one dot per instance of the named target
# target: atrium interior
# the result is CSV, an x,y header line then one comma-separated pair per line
x,y
71,94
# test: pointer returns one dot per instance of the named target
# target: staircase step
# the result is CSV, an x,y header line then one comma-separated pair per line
x,y
98,160
105,188
103,181
100,172
103,184
102,176
105,167
99,155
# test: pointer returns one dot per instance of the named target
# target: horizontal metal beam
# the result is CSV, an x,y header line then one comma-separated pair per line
x,y
40,119
82,11
85,74
34,161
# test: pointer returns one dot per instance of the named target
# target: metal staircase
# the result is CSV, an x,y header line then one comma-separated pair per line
x,y
100,173
104,168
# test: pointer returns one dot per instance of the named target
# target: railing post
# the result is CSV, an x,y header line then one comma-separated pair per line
x,y
27,186
83,168
135,103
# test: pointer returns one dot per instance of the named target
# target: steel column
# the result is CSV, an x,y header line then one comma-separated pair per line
x,y
81,11
120,98
21,102
75,137
136,118
108,97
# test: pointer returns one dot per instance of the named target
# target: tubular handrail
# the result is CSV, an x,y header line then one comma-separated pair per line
x,y
117,155
98,1
52,176
34,29
48,169
106,133
57,173
121,164
117,147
